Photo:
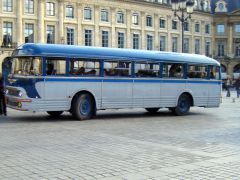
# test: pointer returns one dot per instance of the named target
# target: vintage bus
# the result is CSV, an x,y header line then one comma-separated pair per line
x,y
81,80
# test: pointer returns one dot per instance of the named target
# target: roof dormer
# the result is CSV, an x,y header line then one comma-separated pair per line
x,y
221,6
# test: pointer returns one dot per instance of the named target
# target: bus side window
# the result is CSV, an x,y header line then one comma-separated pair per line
x,y
117,68
197,71
144,69
55,66
84,67
173,70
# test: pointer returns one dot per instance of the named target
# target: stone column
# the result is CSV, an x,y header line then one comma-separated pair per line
x,y
143,25
19,28
61,20
156,36
128,35
79,28
169,37
230,38
113,31
96,22
41,25
213,43
202,40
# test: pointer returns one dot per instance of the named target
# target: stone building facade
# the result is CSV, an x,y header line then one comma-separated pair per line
x,y
137,24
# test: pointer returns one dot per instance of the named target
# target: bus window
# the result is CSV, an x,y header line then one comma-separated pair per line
x,y
173,70
197,71
84,67
214,72
55,66
144,69
117,68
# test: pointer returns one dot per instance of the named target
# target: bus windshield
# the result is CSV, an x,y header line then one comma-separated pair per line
x,y
31,66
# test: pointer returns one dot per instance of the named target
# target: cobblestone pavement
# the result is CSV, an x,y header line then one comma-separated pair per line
x,y
123,144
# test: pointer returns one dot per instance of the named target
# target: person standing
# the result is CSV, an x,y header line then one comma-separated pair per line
x,y
3,109
237,84
228,85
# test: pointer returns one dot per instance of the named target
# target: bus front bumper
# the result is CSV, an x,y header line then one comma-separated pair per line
x,y
17,103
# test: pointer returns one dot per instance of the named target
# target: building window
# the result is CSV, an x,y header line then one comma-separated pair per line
x,y
50,34
149,42
207,48
220,29
7,5
105,39
120,17
162,23
120,40
220,48
197,27
197,46
207,28
135,41
29,6
174,44
186,45
104,15
29,33
149,21
186,26
162,43
7,34
50,9
69,12
70,36
87,13
88,37
237,28
174,25
237,50
135,19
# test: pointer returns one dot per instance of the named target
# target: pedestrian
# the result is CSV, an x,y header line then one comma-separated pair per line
x,y
237,85
228,85
3,109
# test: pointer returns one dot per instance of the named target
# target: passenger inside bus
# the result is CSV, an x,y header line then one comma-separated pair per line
x,y
175,71
50,69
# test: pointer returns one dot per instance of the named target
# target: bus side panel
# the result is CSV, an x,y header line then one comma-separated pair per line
x,y
170,90
214,94
146,93
199,92
116,93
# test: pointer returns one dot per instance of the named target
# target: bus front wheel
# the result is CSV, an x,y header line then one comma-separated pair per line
x,y
152,110
183,106
83,107
54,113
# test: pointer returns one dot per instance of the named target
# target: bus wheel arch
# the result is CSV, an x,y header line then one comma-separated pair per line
x,y
185,101
80,100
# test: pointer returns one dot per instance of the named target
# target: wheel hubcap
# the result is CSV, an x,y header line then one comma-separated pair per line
x,y
85,107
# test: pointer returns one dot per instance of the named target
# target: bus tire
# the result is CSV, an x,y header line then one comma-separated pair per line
x,y
152,110
183,106
83,107
54,113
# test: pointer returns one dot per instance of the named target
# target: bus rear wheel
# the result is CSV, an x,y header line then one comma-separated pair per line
x,y
152,110
183,106
54,113
83,107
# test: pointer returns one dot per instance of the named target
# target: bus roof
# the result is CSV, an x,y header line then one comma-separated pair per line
x,y
59,50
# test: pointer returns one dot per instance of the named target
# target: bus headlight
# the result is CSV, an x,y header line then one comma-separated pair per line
x,y
6,91
20,94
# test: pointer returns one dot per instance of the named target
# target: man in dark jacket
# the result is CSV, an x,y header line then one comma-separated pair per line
x,y
237,84
3,109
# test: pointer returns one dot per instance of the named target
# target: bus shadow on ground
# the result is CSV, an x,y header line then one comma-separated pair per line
x,y
101,115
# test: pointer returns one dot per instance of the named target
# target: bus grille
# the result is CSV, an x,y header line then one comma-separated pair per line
x,y
11,103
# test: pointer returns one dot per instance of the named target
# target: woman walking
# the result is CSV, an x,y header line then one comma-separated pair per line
x,y
237,84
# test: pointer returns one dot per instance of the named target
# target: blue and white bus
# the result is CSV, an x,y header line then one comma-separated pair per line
x,y
82,80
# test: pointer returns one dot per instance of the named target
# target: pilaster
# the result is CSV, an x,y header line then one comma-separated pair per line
x,y
156,36
79,27
143,25
113,30
19,22
96,22
41,26
128,35
61,19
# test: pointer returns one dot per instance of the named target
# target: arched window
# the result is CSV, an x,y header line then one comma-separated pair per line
x,y
236,68
223,68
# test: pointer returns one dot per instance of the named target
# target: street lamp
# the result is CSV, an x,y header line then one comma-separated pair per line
x,y
182,6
